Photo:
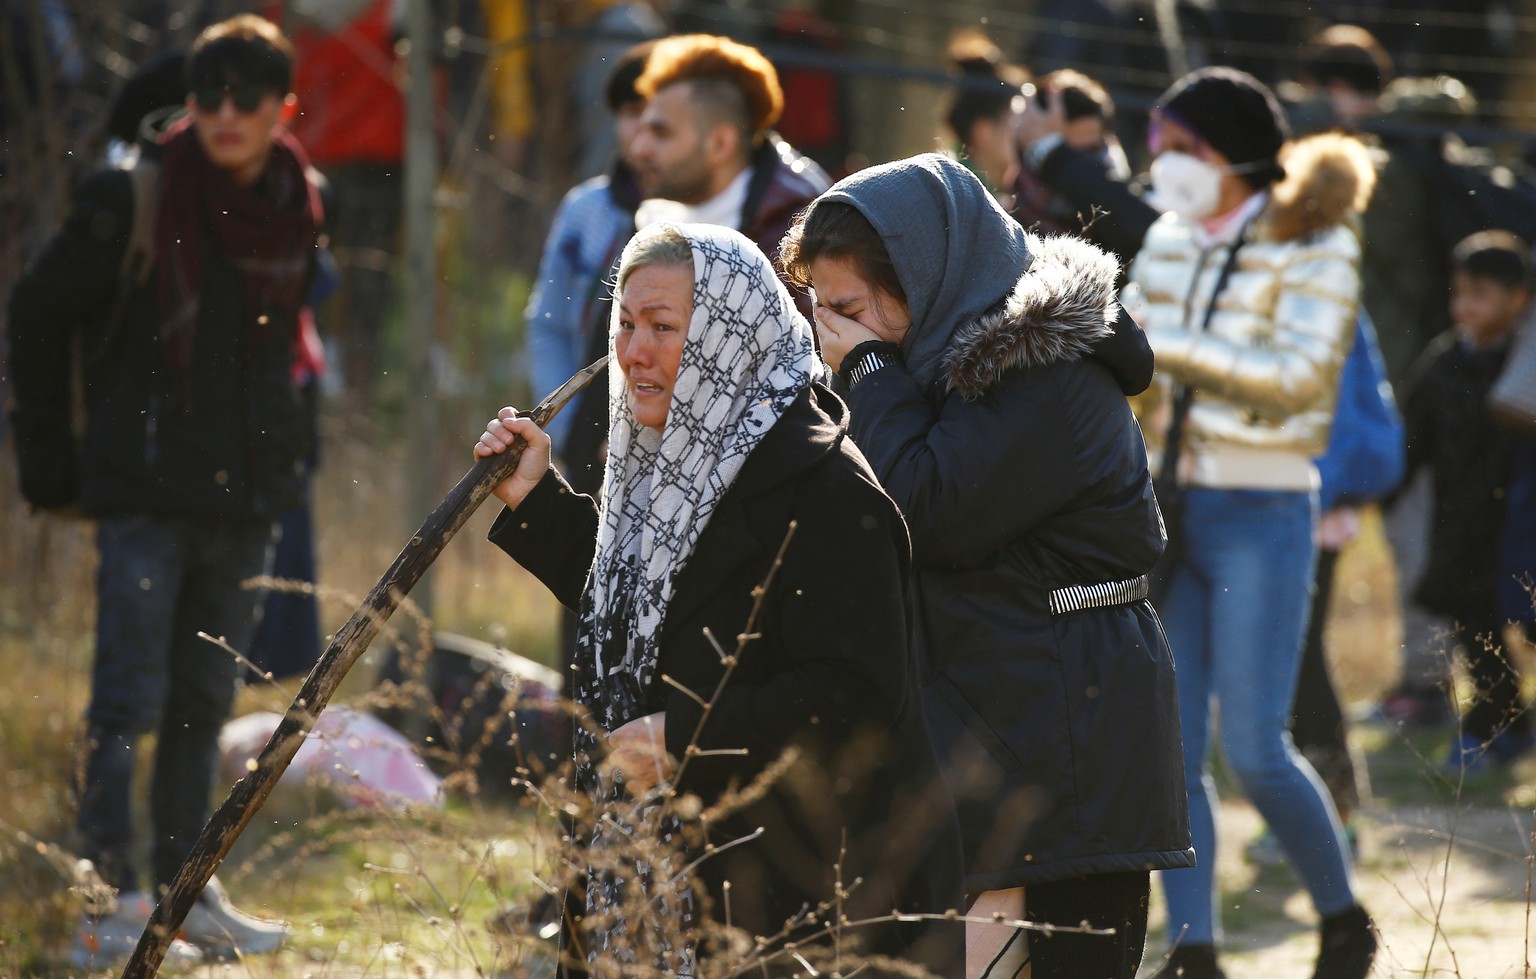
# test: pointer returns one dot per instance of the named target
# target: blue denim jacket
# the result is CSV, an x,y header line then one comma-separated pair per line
x,y
589,229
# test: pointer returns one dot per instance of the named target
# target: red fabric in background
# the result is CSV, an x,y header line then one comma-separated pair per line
x,y
351,109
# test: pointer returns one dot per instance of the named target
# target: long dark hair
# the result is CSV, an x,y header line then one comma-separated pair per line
x,y
831,229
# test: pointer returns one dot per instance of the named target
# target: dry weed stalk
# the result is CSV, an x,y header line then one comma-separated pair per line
x,y
644,934
819,938
641,934
1436,894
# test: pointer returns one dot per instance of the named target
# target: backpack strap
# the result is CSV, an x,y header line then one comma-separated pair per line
x,y
139,257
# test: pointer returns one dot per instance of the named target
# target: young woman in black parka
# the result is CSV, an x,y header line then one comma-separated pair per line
x,y
986,374
718,441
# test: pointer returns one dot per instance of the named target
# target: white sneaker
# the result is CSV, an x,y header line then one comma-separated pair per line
x,y
104,942
216,926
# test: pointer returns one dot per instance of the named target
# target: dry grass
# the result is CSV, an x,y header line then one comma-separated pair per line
x,y
1364,634
384,894
365,886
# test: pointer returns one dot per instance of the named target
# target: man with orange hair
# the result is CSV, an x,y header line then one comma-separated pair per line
x,y
706,140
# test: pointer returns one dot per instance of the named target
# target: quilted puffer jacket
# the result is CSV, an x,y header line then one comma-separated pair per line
x,y
1266,372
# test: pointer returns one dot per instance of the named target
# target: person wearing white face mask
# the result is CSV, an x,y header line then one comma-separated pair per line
x,y
1189,186
1248,287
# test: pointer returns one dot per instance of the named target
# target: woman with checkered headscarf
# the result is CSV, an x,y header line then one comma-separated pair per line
x,y
729,461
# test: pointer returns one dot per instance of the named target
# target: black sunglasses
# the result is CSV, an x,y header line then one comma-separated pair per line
x,y
247,98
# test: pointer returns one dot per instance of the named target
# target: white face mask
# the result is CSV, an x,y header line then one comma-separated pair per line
x,y
1187,186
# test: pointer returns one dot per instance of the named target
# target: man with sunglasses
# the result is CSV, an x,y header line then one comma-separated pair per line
x,y
170,306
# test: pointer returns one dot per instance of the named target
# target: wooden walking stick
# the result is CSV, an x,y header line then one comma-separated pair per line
x,y
226,824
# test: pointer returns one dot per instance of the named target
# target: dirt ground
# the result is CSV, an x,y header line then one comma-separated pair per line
x,y
1481,898
1446,881
1478,898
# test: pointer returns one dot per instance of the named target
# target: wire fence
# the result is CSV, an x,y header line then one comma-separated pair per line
x,y
889,54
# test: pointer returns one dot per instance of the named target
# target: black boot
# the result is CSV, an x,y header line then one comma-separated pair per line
x,y
1191,962
1348,945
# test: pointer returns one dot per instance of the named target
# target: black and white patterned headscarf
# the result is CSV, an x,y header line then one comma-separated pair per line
x,y
748,354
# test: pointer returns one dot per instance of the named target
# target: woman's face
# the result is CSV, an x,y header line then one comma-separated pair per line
x,y
840,288
654,308
1231,190
990,145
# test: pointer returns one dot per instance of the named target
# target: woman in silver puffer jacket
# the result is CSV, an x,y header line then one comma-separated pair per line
x,y
1248,289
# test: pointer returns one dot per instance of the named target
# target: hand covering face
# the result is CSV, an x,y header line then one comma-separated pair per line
x,y
956,252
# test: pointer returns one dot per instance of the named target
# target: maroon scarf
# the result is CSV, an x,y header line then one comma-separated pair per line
x,y
267,231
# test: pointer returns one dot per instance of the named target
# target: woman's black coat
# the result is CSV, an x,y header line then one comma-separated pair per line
x,y
831,674
1020,471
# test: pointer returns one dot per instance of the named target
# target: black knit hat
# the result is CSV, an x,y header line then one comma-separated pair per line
x,y
1236,114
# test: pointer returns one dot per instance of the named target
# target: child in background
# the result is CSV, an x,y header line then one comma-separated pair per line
x,y
1476,469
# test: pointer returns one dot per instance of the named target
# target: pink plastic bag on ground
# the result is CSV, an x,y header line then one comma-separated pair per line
x,y
364,761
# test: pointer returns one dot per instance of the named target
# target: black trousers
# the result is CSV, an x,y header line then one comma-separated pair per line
x,y
1318,727
1117,901
1495,679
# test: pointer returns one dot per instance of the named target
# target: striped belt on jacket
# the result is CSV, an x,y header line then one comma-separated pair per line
x,y
1076,598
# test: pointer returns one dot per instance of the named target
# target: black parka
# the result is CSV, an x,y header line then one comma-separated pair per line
x,y
831,673
232,443
1020,470
1476,556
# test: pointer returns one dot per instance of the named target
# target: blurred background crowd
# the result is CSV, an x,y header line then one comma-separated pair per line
x,y
450,135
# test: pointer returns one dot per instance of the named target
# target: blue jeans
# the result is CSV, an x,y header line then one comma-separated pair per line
x,y
1235,615
161,581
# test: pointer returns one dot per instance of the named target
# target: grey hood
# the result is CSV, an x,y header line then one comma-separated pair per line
x,y
955,251
983,294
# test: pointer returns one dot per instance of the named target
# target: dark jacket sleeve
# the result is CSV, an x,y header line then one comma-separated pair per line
x,y
73,282
1419,411
1420,394
553,534
1114,217
970,475
837,615
1127,354
1405,273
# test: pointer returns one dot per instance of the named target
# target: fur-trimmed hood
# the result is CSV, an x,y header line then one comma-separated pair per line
x,y
1062,304
1328,181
